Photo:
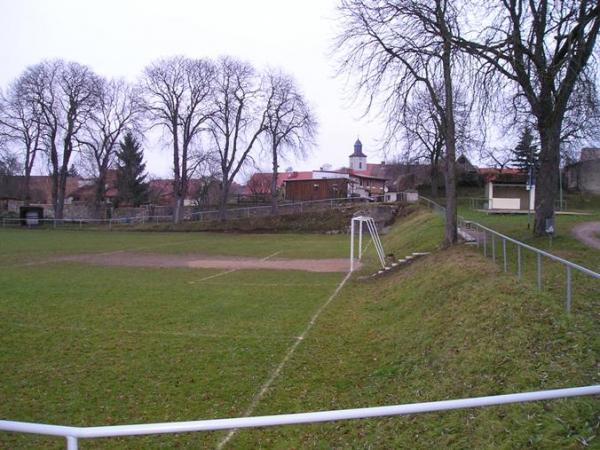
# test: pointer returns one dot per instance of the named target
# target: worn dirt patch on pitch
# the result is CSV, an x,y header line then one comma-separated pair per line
x,y
208,262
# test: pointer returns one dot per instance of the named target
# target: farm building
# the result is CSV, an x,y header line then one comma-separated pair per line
x,y
316,189
507,190
360,179
584,175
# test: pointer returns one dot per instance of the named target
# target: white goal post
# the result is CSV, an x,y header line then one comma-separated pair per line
x,y
359,222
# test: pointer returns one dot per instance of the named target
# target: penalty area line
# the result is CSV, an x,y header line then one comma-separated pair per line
x,y
271,255
267,384
210,277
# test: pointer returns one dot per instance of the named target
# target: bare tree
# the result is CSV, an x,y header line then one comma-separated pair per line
x,y
543,49
239,119
20,124
290,125
499,157
421,128
65,94
116,112
397,48
177,93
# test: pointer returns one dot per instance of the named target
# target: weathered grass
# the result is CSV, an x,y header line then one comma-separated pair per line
x,y
448,326
87,345
22,246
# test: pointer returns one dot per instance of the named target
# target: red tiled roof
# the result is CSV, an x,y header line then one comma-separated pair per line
x,y
495,170
260,182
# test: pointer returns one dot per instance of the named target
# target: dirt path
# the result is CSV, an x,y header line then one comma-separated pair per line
x,y
588,233
210,262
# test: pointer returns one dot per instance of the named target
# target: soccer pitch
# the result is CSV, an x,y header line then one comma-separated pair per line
x,y
87,344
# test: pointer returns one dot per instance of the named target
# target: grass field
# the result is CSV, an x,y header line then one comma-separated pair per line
x,y
91,345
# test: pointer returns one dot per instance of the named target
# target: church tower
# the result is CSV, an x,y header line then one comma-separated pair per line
x,y
358,160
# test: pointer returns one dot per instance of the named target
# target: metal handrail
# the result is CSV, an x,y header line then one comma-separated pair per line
x,y
73,434
568,264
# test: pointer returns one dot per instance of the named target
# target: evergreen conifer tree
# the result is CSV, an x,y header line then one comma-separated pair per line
x,y
133,189
526,153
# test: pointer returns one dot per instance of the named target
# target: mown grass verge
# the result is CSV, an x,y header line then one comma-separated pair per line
x,y
450,325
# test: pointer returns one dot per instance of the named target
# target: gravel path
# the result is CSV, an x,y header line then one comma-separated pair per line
x,y
212,262
588,233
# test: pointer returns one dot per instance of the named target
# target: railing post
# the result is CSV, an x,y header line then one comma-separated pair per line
x,y
485,243
493,247
519,270
504,254
539,271
568,300
80,224
351,245
72,443
110,223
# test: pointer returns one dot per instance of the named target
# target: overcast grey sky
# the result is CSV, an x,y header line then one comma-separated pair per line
x,y
117,38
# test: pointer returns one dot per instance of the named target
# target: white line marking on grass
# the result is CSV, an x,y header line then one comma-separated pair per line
x,y
265,387
210,277
190,334
112,252
270,256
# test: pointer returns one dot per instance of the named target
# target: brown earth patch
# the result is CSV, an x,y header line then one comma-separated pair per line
x,y
208,262
588,233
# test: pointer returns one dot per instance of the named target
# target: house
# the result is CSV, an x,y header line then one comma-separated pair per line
x,y
360,179
508,190
316,189
260,182
584,175
12,191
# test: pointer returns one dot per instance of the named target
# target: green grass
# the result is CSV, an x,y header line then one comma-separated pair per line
x,y
88,345
451,325
18,246
100,345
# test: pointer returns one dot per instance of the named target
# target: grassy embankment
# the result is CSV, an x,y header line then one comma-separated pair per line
x,y
450,325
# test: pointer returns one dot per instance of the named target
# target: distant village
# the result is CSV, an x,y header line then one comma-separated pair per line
x,y
502,188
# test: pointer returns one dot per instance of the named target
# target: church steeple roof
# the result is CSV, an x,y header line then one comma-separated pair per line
x,y
358,149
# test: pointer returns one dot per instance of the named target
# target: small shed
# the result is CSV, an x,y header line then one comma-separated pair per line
x,y
509,191
31,215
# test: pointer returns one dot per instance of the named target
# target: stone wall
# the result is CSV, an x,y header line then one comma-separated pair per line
x,y
584,176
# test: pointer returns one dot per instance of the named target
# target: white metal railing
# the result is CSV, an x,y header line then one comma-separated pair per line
x,y
73,434
483,242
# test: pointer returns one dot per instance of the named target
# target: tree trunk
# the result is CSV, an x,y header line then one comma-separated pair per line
x,y
546,187
434,176
178,210
100,194
451,232
223,200
274,182
27,187
60,195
